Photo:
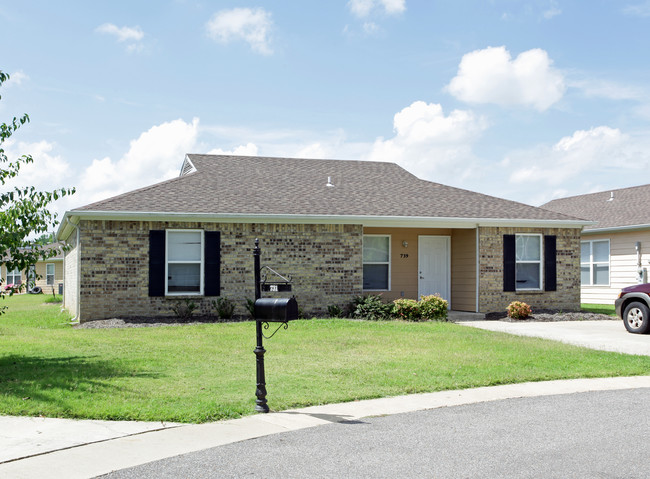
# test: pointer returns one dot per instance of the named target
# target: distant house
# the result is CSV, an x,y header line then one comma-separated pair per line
x,y
45,274
615,251
338,228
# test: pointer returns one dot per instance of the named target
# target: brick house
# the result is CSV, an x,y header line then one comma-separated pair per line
x,y
339,228
615,248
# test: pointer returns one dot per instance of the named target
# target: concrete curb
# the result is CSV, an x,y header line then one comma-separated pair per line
x,y
100,458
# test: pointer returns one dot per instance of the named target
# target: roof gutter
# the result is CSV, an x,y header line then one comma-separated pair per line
x,y
615,229
385,221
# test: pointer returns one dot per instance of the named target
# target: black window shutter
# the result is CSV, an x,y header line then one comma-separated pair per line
x,y
157,263
550,263
509,265
212,277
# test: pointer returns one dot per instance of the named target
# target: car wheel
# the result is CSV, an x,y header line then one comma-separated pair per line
x,y
637,318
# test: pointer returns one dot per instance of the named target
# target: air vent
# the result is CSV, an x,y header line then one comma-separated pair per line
x,y
187,167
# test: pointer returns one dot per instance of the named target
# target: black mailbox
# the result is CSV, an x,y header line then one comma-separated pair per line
x,y
279,310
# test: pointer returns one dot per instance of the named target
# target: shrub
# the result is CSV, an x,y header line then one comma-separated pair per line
x,y
334,311
250,307
224,307
406,309
433,307
518,310
184,309
370,307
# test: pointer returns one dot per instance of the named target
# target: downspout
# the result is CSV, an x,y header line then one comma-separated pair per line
x,y
478,268
78,247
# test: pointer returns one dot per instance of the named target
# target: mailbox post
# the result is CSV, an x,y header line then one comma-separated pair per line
x,y
278,310
260,392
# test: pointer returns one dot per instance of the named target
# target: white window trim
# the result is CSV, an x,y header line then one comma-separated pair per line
x,y
201,280
379,262
540,262
592,263
47,275
15,272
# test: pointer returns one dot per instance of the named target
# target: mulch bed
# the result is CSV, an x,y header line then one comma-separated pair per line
x,y
545,315
549,315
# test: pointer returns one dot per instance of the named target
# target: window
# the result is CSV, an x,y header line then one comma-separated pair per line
x,y
594,263
184,262
376,262
528,257
13,277
49,274
523,260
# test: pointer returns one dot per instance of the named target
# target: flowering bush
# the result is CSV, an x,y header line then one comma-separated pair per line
x,y
433,307
406,309
518,310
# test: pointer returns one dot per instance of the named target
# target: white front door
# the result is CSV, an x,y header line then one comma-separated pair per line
x,y
434,266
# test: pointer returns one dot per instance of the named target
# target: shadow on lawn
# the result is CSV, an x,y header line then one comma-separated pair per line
x,y
43,379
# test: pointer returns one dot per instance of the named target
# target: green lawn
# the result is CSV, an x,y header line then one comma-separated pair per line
x,y
207,372
599,308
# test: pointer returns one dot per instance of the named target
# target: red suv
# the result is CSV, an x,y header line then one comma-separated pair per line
x,y
633,305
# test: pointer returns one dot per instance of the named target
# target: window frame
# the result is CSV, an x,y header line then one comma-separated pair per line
x,y
48,275
388,262
13,273
540,262
201,262
592,263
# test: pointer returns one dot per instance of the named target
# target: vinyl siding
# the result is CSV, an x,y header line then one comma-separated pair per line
x,y
623,265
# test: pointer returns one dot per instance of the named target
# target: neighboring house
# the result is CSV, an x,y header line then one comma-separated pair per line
x,y
616,249
338,228
45,274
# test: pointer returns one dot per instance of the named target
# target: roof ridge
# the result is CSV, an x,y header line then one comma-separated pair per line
x,y
612,190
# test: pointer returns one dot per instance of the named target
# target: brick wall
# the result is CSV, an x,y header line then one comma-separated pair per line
x,y
324,261
491,295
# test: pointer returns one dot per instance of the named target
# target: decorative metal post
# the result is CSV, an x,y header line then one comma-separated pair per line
x,y
260,402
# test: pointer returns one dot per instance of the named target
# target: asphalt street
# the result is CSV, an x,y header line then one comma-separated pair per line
x,y
603,434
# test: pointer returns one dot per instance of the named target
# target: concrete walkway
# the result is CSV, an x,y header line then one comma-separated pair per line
x,y
98,458
602,335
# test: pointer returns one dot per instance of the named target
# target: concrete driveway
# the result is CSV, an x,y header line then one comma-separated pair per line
x,y
603,335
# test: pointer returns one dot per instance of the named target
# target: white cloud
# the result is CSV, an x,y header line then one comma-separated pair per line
x,y
639,9
252,26
608,89
132,35
552,11
44,173
588,160
492,76
249,149
430,144
122,34
156,155
16,79
363,8
49,171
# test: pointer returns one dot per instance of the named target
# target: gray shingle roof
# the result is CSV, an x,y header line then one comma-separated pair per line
x,y
629,207
224,184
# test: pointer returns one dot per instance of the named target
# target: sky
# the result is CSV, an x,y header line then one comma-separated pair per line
x,y
524,100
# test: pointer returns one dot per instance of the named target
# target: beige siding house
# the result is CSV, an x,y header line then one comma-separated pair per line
x,y
45,274
615,249
338,228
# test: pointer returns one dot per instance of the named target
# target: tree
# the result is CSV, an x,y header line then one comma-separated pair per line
x,y
24,211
